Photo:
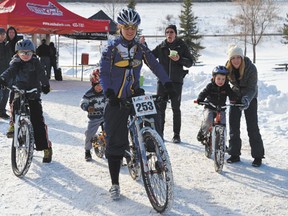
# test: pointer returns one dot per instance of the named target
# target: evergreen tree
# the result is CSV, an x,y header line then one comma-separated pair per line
x,y
131,4
188,29
285,30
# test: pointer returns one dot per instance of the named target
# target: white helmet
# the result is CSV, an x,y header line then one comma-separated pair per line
x,y
128,17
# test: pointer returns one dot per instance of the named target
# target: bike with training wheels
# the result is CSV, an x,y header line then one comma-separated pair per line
x,y
148,156
23,139
99,142
215,140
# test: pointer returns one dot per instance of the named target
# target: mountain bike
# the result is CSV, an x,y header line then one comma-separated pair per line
x,y
216,138
99,143
23,139
148,156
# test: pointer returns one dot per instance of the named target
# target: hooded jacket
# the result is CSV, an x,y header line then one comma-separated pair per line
x,y
121,63
174,69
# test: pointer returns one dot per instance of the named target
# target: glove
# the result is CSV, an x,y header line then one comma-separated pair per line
x,y
170,89
139,92
112,99
90,109
45,89
245,101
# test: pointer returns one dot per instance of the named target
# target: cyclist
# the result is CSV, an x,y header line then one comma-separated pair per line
x,y
93,102
215,92
25,72
120,67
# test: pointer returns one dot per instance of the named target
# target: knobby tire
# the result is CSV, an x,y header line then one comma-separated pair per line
x,y
219,148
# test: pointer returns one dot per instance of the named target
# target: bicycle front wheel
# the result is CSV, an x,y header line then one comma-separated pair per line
x,y
218,135
158,177
22,148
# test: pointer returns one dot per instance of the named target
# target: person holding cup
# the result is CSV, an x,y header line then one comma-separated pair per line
x,y
173,54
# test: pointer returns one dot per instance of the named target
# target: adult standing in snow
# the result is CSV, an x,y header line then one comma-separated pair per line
x,y
120,68
243,77
12,38
43,51
173,54
53,58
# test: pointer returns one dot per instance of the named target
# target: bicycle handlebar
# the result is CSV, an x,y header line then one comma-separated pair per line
x,y
217,106
22,91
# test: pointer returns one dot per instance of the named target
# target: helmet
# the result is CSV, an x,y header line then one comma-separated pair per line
x,y
220,70
128,17
95,76
24,44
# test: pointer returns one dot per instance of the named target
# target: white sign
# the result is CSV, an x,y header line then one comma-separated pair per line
x,y
144,105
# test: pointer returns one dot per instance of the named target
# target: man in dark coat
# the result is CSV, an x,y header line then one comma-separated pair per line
x,y
43,51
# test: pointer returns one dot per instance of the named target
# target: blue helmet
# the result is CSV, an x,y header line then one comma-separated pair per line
x,y
24,44
128,17
220,70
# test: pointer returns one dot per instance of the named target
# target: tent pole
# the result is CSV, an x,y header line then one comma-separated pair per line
x,y
76,57
73,56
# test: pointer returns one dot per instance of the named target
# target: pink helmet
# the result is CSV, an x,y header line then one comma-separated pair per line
x,y
95,76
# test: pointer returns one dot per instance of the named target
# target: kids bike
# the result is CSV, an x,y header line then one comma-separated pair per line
x,y
215,140
148,156
23,139
99,143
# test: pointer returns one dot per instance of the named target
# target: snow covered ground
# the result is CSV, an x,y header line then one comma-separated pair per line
x,y
72,186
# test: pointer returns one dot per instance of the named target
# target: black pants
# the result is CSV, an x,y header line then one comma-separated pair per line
x,y
37,120
175,104
255,140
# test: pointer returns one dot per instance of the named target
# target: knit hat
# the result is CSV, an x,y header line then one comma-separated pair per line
x,y
172,27
2,30
234,50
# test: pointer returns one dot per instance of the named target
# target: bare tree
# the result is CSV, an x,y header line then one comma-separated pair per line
x,y
113,7
254,18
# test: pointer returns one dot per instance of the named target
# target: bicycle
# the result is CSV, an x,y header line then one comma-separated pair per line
x,y
99,143
216,138
148,156
23,139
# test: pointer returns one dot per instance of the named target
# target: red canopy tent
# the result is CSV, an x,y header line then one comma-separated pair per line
x,y
46,17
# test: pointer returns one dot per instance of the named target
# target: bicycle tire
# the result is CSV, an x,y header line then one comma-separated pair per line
x,y
99,146
219,147
22,153
158,181
208,146
133,160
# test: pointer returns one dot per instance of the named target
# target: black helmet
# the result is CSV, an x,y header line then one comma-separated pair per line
x,y
128,17
220,70
24,44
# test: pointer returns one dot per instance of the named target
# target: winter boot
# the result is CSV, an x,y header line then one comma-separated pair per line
x,y
47,155
10,132
115,192
176,138
88,156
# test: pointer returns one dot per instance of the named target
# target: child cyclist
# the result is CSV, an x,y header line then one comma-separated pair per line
x,y
93,102
25,72
215,92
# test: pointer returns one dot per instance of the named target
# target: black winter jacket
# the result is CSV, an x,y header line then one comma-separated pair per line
x,y
174,68
217,95
5,56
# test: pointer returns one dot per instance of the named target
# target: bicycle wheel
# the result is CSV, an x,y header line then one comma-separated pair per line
x,y
99,146
158,177
219,147
133,160
208,146
22,151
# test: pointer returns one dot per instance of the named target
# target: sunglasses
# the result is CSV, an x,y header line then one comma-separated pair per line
x,y
127,27
22,53
169,32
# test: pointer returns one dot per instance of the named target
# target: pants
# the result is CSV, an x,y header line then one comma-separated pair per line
x,y
93,125
175,104
255,140
4,95
208,120
45,61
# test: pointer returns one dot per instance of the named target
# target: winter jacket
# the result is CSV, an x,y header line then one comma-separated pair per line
x,y
12,43
121,63
95,99
217,95
26,75
174,69
5,57
247,86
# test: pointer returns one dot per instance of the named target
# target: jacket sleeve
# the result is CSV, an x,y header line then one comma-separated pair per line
x,y
106,62
186,58
252,79
42,77
84,103
9,74
203,94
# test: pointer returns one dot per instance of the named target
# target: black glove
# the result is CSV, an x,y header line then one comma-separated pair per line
x,y
245,101
45,89
3,83
170,89
112,99
139,92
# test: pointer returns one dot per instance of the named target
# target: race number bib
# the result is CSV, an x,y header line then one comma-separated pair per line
x,y
144,105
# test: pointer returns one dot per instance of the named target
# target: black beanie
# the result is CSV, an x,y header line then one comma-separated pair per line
x,y
172,27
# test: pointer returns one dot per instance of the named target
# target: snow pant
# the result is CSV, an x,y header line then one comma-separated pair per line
x,y
53,64
115,124
4,95
175,104
255,140
92,128
45,61
36,116
208,119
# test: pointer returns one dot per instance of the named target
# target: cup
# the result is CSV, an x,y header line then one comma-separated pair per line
x,y
173,53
